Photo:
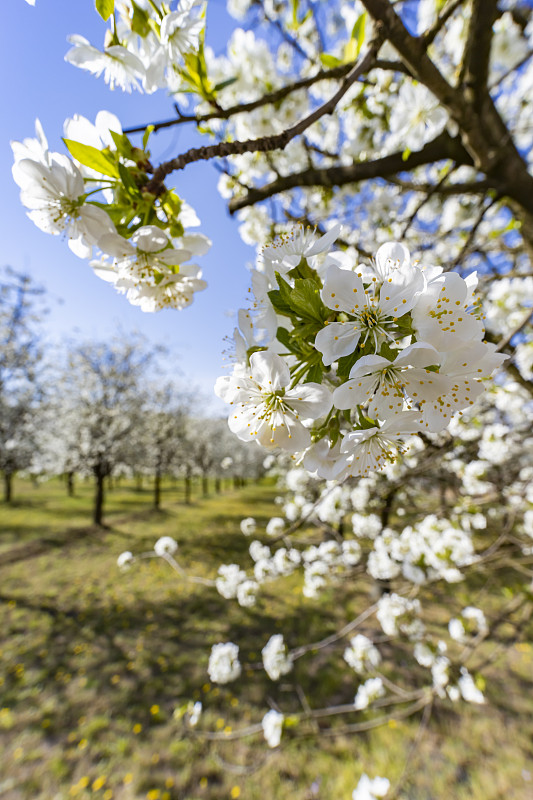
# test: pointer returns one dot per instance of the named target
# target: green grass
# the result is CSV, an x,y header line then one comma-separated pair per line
x,y
93,664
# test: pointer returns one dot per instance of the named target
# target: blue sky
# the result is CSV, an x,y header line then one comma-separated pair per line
x,y
39,83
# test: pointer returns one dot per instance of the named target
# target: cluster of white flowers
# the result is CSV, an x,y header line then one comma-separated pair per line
x,y
397,348
371,788
165,545
362,655
367,692
398,614
224,665
326,562
125,560
431,549
275,659
248,526
272,724
465,686
145,47
143,261
471,621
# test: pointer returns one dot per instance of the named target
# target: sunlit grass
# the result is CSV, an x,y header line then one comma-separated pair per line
x,y
94,662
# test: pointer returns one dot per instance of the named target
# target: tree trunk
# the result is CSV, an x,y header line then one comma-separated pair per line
x,y
70,484
138,483
98,510
218,485
205,485
188,487
8,486
157,489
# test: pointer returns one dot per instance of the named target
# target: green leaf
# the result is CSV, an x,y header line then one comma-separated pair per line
x,y
303,270
357,38
146,135
127,181
140,20
358,32
122,143
283,336
171,205
314,375
350,51
330,60
294,4
406,153
285,290
280,306
92,157
307,331
347,362
105,8
305,301
223,84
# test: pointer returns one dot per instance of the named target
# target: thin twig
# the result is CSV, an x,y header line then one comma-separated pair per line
x,y
431,34
334,637
506,340
424,722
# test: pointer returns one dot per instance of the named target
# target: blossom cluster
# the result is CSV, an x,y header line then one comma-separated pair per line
x,y
339,363
145,48
138,243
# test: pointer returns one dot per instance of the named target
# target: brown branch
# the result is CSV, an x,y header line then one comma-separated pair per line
x,y
442,147
482,130
264,143
469,187
476,56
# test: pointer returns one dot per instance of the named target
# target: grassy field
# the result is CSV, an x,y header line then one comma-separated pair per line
x,y
93,663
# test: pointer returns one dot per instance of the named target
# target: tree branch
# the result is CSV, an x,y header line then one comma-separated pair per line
x,y
469,187
483,132
265,143
442,147
476,56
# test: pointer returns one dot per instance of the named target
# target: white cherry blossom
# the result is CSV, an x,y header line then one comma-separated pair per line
x,y
370,316
180,30
386,385
118,65
55,193
268,412
367,450
288,250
